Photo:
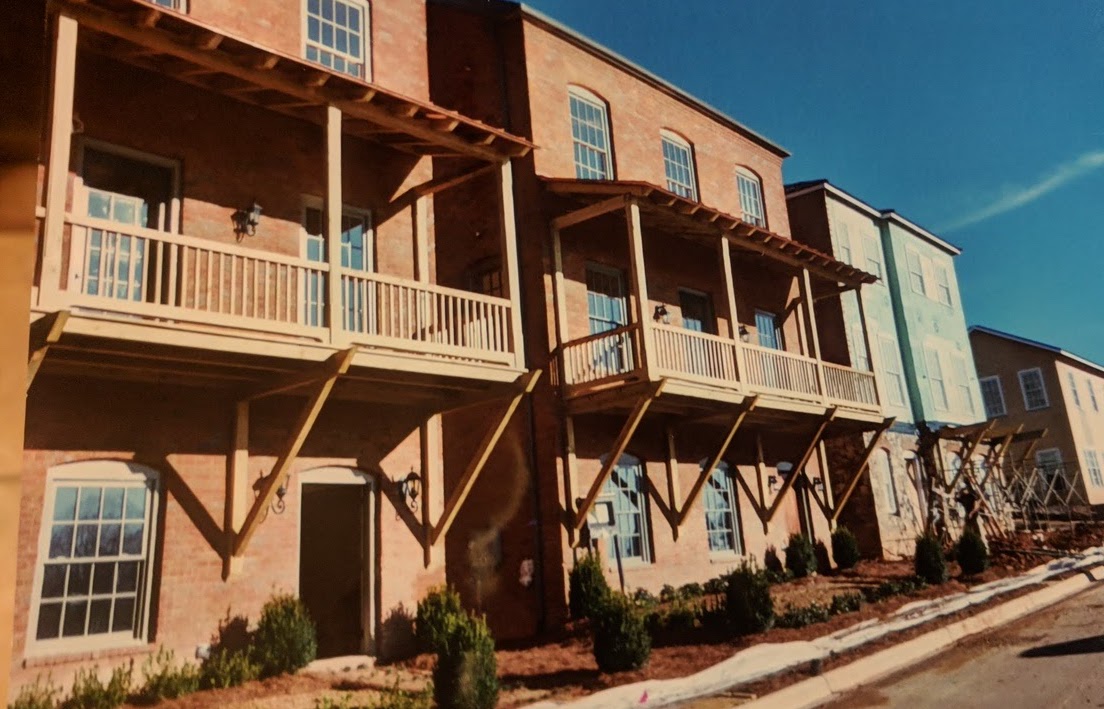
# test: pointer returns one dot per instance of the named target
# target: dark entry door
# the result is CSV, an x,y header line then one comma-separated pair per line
x,y
331,563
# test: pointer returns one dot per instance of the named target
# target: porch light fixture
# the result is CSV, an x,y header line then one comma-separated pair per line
x,y
278,506
661,314
745,336
784,468
246,220
409,489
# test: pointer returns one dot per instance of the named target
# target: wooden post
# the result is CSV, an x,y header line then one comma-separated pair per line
x,y
639,283
57,177
334,207
733,313
429,438
814,337
559,302
511,282
673,491
237,487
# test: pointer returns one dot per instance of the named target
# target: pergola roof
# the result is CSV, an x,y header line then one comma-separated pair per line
x,y
172,43
681,215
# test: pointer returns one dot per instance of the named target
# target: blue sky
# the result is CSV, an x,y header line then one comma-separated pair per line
x,y
985,127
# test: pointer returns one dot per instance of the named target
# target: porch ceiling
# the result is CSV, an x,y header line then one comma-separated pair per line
x,y
669,212
174,44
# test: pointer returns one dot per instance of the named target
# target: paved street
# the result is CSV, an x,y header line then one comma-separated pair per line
x,y
1051,659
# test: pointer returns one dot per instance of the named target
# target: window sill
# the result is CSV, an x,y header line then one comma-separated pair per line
x,y
725,557
47,657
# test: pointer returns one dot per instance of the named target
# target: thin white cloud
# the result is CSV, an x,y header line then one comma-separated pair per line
x,y
1021,196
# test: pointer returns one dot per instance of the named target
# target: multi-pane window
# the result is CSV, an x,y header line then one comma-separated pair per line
x,y
1073,389
628,490
873,253
358,314
935,378
843,243
751,198
889,485
916,271
590,134
1092,394
1033,388
1092,464
962,383
607,310
178,5
992,394
858,348
95,555
770,334
894,374
722,520
942,283
487,278
337,36
678,164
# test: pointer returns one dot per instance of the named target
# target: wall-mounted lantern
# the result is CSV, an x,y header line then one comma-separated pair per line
x,y
409,489
246,220
745,336
661,314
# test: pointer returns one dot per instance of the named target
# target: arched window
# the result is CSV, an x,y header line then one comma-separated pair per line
x,y
751,197
628,490
590,133
678,164
95,555
722,513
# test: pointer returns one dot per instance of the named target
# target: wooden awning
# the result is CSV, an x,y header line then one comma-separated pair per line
x,y
172,43
680,215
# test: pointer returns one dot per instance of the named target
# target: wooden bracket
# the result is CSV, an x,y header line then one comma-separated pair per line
x,y
799,468
619,446
294,380
861,467
45,332
707,471
335,366
526,383
586,213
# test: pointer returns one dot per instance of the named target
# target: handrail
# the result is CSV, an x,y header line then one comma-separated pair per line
x,y
600,335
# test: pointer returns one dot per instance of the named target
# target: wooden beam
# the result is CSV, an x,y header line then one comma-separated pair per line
x,y
333,212
860,468
294,380
207,40
482,453
799,468
53,325
589,212
237,486
619,446
730,299
968,452
510,265
673,488
639,285
707,471
296,437
439,184
60,143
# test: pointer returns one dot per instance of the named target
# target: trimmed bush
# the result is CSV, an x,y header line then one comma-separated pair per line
x,y
90,693
690,591
799,617
748,603
893,587
716,585
225,667
42,694
930,564
621,640
667,593
285,640
645,598
436,615
846,602
465,676
164,679
845,548
800,556
773,564
972,555
587,587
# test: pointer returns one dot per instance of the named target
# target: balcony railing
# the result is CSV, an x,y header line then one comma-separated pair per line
x,y
715,360
168,277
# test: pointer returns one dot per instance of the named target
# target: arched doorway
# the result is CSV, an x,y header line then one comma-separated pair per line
x,y
336,558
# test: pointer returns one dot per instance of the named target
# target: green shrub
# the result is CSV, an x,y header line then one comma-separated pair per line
x,y
748,603
680,615
621,640
90,693
645,598
42,694
716,585
845,548
799,617
846,602
772,563
587,587
285,639
893,587
690,591
465,676
930,564
800,556
972,555
225,667
667,593
165,680
436,613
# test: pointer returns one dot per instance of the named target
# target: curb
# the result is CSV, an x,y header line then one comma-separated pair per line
x,y
818,690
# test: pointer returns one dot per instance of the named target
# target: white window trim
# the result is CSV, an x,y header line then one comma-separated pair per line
x,y
676,139
1092,465
941,269
587,96
86,472
899,370
1074,394
739,549
1000,392
315,202
365,39
909,254
749,175
937,351
871,240
1042,386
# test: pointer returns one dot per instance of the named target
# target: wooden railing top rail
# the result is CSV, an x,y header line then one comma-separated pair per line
x,y
674,329
845,368
779,353
431,287
601,335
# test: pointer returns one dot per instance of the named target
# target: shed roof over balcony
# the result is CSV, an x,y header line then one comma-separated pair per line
x,y
174,44
670,212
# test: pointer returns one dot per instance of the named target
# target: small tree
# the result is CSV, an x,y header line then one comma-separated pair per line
x,y
285,640
465,676
621,640
587,587
930,564
845,548
800,556
972,555
748,602
435,615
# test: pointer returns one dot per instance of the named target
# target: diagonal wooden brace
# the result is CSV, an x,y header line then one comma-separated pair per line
x,y
526,384
620,444
335,366
799,469
707,471
861,467
968,452
44,333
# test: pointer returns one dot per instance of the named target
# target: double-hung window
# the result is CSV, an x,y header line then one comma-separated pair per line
x,y
992,393
722,519
873,253
751,198
916,271
942,283
1073,389
894,372
843,243
590,135
678,164
889,484
770,334
935,379
337,36
628,490
1034,389
1092,464
962,383
1092,394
